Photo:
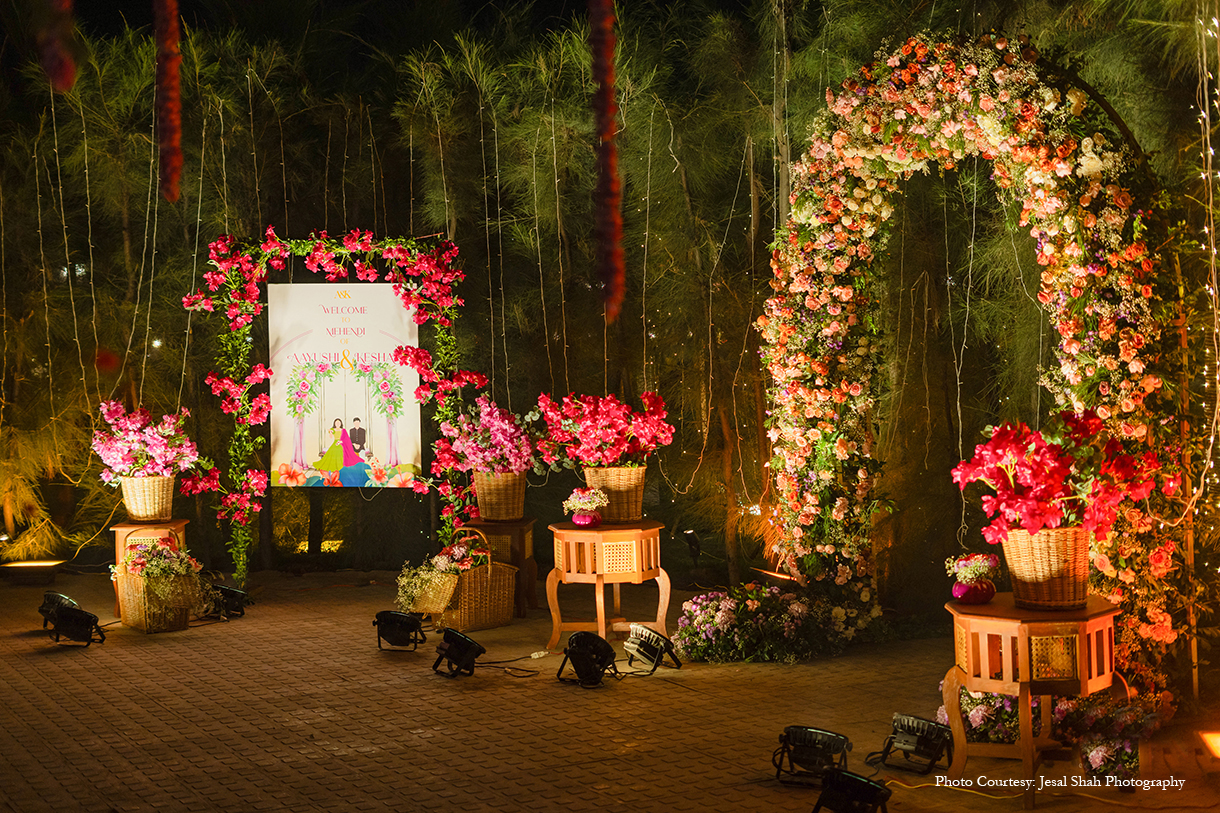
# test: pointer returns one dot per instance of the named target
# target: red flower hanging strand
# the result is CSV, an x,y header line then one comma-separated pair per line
x,y
169,98
608,195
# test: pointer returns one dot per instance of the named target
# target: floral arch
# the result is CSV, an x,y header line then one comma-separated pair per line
x,y
1051,149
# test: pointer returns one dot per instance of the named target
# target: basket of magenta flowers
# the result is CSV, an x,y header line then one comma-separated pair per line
x,y
144,456
497,447
610,441
1051,489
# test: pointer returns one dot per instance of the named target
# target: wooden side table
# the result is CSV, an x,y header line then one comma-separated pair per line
x,y
1004,649
608,554
513,542
126,530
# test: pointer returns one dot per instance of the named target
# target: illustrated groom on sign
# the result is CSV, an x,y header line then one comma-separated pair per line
x,y
357,436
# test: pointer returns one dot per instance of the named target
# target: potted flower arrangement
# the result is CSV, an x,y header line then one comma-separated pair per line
x,y
974,573
158,584
610,440
1052,488
583,505
460,587
496,446
144,457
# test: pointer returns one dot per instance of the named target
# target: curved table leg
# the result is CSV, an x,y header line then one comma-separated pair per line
x,y
951,695
662,600
552,601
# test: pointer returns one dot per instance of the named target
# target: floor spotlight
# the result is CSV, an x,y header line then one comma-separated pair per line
x,y
810,753
41,571
460,651
847,792
230,601
922,743
52,603
694,544
69,621
650,647
399,629
591,655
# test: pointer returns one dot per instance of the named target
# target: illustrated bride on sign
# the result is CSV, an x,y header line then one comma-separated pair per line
x,y
340,453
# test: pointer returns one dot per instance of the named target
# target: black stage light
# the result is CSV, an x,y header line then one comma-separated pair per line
x,y
230,601
847,792
460,651
922,743
650,647
591,655
810,752
52,602
694,544
400,629
75,624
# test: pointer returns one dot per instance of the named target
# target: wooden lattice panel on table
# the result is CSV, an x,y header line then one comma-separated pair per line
x,y
1053,657
623,553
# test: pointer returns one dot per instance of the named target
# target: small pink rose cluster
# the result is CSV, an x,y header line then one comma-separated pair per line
x,y
602,431
973,568
585,500
134,446
460,557
382,377
303,387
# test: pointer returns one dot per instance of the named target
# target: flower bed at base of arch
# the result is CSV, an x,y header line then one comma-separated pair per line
x,y
1053,152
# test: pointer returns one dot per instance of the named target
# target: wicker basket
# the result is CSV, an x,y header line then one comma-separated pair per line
x,y
148,499
483,598
148,611
1050,570
501,496
436,595
624,486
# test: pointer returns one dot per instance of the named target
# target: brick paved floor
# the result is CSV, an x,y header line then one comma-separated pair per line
x,y
293,708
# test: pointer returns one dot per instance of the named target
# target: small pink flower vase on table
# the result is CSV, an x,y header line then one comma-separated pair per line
x,y
979,593
586,519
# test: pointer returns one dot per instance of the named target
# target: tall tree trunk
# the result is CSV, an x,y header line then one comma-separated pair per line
x,y
128,265
731,513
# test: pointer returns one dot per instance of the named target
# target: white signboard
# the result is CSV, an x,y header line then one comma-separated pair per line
x,y
343,413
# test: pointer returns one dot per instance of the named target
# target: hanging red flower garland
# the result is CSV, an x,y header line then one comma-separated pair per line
x,y
169,97
607,198
56,44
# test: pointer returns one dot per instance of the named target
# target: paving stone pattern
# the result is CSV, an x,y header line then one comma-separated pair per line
x,y
293,708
